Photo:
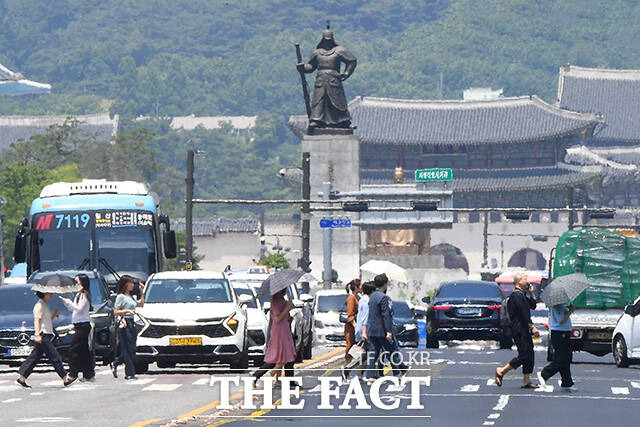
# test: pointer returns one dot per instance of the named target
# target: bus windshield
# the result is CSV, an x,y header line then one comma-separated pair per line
x,y
63,249
70,240
127,251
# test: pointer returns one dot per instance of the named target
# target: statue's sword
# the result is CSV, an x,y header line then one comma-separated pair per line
x,y
303,81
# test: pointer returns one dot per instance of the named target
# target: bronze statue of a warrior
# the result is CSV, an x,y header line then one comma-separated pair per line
x,y
329,104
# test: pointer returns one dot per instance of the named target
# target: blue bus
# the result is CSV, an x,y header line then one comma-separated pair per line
x,y
110,226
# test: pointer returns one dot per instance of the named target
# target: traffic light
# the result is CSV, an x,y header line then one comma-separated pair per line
x,y
605,214
355,206
518,215
425,206
182,255
304,265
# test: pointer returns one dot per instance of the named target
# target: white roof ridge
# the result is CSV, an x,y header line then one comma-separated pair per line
x,y
599,73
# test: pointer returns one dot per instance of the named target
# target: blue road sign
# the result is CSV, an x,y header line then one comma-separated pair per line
x,y
335,223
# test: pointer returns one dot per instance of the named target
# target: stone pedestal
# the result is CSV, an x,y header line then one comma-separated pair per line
x,y
334,158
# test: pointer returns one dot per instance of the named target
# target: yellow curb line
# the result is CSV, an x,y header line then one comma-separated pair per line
x,y
145,423
209,406
322,356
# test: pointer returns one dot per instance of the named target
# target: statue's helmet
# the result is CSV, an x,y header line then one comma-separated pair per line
x,y
327,41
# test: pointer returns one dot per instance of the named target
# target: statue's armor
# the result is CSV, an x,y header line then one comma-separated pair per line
x,y
329,104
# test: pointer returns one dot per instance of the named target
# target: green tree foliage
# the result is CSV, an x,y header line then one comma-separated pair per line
x,y
177,263
20,184
274,260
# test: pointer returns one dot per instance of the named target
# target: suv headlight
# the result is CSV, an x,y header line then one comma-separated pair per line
x,y
65,330
231,323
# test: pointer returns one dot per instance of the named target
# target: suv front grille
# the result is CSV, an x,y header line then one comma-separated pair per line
x,y
9,337
212,331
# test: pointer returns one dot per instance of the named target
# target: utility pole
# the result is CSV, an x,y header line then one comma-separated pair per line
x,y
306,196
2,201
570,197
189,211
326,243
485,241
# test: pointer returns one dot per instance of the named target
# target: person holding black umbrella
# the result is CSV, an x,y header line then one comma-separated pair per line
x,y
42,339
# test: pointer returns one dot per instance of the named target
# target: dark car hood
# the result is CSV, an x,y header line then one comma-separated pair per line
x,y
14,320
459,301
403,320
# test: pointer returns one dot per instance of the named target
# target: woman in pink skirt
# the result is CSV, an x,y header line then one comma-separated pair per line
x,y
280,349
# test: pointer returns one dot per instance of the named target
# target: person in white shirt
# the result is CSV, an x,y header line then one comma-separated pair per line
x,y
80,355
43,342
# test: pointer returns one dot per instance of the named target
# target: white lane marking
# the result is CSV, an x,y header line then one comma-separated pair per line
x,y
491,381
81,387
315,389
15,399
620,390
104,372
396,389
161,387
488,423
201,381
547,389
502,402
9,387
635,384
4,381
494,416
52,383
44,420
141,381
470,388
37,393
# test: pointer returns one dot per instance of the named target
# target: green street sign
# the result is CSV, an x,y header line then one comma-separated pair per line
x,y
437,174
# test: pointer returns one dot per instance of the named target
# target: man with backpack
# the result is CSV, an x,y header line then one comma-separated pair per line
x,y
522,330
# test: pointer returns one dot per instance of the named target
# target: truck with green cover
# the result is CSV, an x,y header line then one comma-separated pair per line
x,y
611,262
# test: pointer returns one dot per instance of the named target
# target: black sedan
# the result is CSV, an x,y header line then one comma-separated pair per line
x,y
405,326
16,324
465,310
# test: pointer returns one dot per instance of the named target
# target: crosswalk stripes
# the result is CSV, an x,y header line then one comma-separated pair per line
x,y
620,390
470,388
162,387
201,381
635,384
141,381
12,400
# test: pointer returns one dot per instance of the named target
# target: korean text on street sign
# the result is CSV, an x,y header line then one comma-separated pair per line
x,y
426,175
335,223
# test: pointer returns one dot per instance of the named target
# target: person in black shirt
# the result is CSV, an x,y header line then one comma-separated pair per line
x,y
522,330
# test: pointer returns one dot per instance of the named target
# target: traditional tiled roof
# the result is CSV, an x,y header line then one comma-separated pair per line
x,y
449,122
216,122
583,155
615,94
213,226
13,128
521,179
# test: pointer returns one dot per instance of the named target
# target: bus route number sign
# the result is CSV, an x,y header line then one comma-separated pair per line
x,y
430,175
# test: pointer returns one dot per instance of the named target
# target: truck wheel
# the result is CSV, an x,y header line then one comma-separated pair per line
x,y
620,352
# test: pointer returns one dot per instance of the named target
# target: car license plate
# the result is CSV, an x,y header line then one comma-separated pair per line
x,y
186,341
605,336
20,351
469,311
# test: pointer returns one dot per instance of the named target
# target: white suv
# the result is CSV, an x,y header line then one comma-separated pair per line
x,y
258,324
326,313
192,317
626,336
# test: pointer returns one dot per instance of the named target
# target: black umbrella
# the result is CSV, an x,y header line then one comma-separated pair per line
x,y
279,281
56,283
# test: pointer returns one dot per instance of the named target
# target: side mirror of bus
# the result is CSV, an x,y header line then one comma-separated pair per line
x,y
170,246
20,249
